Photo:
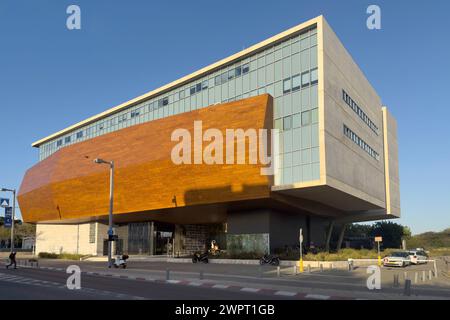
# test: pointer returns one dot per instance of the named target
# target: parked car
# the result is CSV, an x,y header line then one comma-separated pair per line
x,y
397,259
418,256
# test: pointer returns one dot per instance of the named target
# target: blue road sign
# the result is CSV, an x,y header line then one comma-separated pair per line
x,y
8,217
4,202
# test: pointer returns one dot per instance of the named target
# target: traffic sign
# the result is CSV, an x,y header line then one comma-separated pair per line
x,y
8,217
114,237
378,239
4,202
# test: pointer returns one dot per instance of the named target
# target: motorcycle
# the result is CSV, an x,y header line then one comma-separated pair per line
x,y
121,261
200,257
269,259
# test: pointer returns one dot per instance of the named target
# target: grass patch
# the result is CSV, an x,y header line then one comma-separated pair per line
x,y
63,256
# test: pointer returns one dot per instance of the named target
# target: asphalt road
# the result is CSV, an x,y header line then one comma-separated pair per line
x,y
47,284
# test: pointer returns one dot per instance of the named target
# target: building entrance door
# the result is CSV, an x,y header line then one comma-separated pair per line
x,y
164,235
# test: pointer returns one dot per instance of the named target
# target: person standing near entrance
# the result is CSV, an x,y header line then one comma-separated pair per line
x,y
12,260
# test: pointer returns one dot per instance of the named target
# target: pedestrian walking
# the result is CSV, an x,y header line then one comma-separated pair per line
x,y
12,260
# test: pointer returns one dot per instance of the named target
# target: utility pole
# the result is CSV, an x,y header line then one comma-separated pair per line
x,y
111,205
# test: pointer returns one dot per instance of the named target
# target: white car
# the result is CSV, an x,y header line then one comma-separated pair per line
x,y
397,259
418,256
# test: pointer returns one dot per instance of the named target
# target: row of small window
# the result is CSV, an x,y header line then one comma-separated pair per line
x,y
231,74
220,79
352,104
361,143
302,80
297,120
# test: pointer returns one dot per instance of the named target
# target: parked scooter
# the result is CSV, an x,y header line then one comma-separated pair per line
x,y
200,257
121,261
269,259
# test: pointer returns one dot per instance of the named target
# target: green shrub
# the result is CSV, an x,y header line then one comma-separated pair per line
x,y
64,256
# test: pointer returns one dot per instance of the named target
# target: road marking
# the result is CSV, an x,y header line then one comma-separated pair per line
x,y
317,296
173,281
220,286
195,284
285,293
250,289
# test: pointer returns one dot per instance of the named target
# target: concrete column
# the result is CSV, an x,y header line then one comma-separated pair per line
x,y
152,238
330,231
341,236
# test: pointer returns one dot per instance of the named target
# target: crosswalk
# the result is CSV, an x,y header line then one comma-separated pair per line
x,y
11,278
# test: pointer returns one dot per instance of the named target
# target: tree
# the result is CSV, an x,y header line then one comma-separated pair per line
x,y
391,232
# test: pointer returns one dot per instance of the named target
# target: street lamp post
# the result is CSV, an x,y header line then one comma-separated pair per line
x,y
111,204
13,191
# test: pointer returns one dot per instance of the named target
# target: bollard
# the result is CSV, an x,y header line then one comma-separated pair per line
x,y
430,275
278,271
396,282
295,270
435,269
331,266
321,267
416,277
167,274
309,268
350,265
423,276
407,290
201,275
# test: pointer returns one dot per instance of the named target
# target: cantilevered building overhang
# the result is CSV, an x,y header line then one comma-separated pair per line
x,y
338,157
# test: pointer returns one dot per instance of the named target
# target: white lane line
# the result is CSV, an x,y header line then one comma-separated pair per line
x,y
173,281
220,286
195,284
317,296
250,289
285,293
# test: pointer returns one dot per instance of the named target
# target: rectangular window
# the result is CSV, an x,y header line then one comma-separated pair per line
x,y
224,77
296,120
306,118
296,82
192,90
92,232
218,80
79,134
287,123
238,71
165,101
67,140
59,143
231,74
198,87
287,85
205,85
305,79
245,68
314,76
181,94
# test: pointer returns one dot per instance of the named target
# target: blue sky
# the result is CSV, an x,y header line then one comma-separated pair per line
x,y
51,77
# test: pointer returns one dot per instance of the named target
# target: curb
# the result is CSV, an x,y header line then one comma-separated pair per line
x,y
212,285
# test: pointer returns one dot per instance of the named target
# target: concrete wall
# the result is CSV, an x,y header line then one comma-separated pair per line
x,y
282,227
348,167
60,238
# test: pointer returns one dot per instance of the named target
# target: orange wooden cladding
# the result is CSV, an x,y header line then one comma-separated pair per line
x,y
68,185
